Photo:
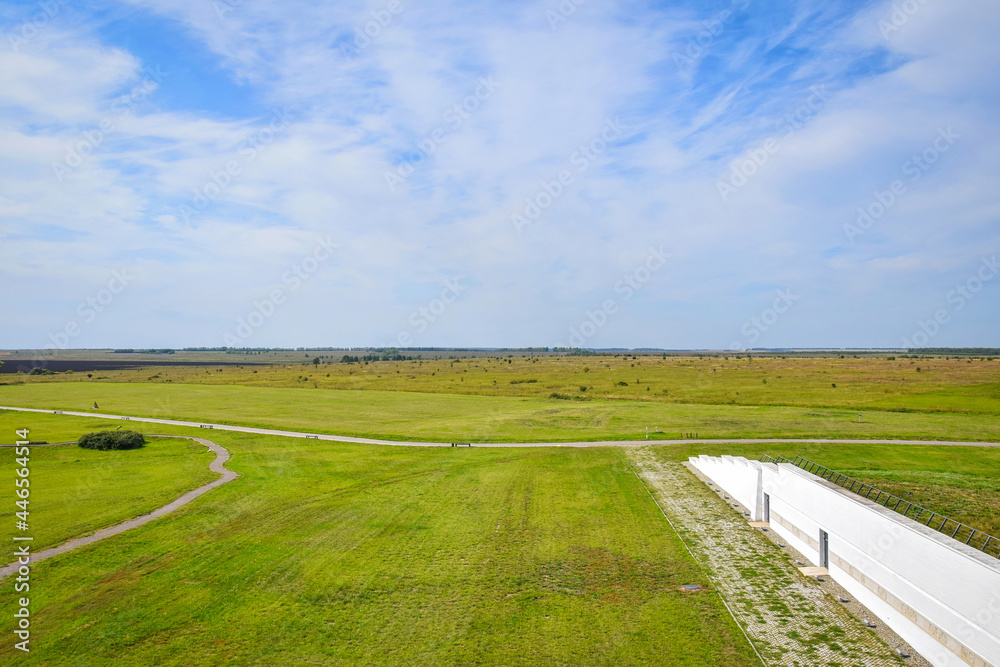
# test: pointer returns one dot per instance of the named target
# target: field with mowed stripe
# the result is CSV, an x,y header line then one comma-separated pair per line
x,y
343,554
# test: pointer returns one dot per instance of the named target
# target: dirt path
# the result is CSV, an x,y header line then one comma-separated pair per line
x,y
787,617
603,443
217,466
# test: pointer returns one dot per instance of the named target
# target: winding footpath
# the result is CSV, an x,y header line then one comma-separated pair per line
x,y
401,443
217,466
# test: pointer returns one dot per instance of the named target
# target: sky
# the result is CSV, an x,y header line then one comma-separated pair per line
x,y
679,175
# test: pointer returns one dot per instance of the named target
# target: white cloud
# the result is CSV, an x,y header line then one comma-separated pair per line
x,y
324,173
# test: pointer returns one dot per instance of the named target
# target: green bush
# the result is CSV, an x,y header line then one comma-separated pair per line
x,y
105,440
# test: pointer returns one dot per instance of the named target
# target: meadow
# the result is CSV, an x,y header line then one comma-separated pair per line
x,y
77,491
932,384
469,418
327,553
335,553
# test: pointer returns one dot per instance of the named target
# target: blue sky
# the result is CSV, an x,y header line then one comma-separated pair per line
x,y
645,174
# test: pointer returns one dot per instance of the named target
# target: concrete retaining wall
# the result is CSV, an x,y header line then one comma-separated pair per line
x,y
740,478
938,594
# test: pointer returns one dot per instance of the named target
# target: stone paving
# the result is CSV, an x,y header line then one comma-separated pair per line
x,y
788,617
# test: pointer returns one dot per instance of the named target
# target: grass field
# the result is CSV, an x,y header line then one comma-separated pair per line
x,y
330,553
449,417
938,384
76,491
344,554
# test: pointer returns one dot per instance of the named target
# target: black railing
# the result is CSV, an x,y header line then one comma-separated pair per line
x,y
955,529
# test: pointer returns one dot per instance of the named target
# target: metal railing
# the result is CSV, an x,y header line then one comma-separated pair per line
x,y
957,530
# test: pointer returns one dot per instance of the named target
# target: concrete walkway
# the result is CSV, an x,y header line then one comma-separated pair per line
x,y
603,443
787,617
217,466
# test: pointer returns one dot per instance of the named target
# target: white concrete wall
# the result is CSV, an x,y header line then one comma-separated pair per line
x,y
938,594
740,478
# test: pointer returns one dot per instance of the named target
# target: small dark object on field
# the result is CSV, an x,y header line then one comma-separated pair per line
x,y
109,440
844,600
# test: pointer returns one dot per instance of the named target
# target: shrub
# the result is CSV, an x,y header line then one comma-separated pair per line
x,y
106,440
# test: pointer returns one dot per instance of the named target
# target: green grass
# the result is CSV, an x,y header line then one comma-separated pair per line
x,y
329,553
924,385
448,417
326,553
77,491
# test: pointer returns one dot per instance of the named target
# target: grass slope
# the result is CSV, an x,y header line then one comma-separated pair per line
x,y
448,417
342,554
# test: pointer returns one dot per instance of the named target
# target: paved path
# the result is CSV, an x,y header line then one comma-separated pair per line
x,y
787,617
603,443
218,466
